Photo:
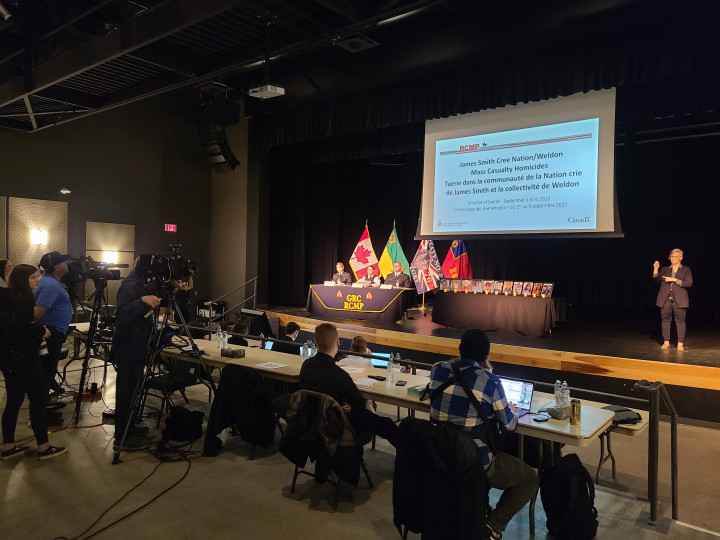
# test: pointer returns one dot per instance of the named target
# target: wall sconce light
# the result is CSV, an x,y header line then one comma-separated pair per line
x,y
38,237
110,257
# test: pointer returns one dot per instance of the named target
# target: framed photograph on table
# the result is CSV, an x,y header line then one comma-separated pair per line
x,y
537,288
517,288
476,285
455,285
497,287
487,286
507,287
547,290
466,285
444,284
527,288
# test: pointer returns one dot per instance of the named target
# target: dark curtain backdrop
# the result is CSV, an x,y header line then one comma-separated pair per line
x,y
324,185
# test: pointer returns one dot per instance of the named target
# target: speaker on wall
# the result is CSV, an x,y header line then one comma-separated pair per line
x,y
217,149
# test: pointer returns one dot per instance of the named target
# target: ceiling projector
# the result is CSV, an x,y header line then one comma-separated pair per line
x,y
267,91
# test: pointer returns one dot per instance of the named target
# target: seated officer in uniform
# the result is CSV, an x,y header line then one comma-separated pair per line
x,y
398,278
341,277
371,279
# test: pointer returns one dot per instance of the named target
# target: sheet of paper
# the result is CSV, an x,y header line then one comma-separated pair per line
x,y
270,365
353,369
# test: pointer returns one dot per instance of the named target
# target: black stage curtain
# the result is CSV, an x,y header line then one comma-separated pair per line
x,y
327,179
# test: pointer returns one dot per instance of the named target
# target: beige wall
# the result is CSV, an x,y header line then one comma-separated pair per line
x,y
228,227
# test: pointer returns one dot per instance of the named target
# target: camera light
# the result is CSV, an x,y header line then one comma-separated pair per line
x,y
110,257
38,237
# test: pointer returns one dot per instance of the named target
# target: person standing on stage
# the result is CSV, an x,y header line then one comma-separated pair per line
x,y
672,298
398,278
371,279
133,327
341,277
54,310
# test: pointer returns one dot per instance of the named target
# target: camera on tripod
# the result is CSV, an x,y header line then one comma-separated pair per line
x,y
161,269
84,268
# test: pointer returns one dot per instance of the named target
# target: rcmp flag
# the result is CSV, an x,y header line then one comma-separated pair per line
x,y
363,256
457,265
425,267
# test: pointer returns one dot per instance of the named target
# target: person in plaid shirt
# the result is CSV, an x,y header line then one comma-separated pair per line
x,y
517,479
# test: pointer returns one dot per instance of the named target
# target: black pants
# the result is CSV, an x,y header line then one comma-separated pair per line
x,y
669,309
365,421
50,362
130,363
26,377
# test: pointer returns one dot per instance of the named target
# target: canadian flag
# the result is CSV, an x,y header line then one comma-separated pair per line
x,y
363,256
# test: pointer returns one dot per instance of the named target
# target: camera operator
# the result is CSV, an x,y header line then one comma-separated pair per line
x,y
54,310
133,327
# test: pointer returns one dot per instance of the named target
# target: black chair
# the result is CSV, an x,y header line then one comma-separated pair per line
x,y
439,486
174,376
319,431
243,402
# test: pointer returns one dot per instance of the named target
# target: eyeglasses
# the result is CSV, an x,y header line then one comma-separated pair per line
x,y
35,276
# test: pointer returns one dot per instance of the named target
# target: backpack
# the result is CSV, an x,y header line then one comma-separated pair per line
x,y
183,424
568,497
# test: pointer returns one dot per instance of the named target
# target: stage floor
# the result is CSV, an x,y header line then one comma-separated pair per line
x,y
599,331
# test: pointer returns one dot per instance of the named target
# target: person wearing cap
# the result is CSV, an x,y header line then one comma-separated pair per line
x,y
53,309
517,479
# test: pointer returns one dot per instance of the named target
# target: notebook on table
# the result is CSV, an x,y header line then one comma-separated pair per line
x,y
520,393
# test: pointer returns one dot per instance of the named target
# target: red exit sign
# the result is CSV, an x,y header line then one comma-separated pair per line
x,y
170,227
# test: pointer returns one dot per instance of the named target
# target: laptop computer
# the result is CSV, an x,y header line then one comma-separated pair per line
x,y
380,362
520,393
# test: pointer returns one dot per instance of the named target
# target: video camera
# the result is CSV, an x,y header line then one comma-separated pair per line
x,y
160,269
84,268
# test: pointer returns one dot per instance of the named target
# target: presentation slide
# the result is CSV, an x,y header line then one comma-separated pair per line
x,y
534,168
531,179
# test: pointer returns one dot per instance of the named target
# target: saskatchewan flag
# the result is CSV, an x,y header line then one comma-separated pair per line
x,y
391,254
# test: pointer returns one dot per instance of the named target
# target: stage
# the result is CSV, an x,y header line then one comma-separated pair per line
x,y
600,349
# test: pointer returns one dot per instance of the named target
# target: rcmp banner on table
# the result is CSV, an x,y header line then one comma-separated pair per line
x,y
425,267
457,265
391,254
364,256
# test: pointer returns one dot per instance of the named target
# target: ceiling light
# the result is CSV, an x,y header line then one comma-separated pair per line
x,y
65,191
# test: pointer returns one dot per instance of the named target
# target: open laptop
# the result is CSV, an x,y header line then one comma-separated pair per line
x,y
520,393
380,362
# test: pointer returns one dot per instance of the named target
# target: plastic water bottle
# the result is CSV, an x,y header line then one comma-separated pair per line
x,y
313,349
565,394
391,369
558,393
218,337
305,351
223,339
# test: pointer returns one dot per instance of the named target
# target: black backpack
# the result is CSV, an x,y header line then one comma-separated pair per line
x,y
568,497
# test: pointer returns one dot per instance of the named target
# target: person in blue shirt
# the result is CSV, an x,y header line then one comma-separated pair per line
x,y
54,310
517,479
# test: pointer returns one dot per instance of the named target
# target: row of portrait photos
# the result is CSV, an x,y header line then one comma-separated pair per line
x,y
489,286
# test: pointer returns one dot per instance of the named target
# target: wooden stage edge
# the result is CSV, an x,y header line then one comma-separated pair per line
x,y
589,364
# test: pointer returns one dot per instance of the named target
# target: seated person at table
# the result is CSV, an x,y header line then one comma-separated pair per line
x,y
398,278
359,345
320,373
371,279
518,480
341,277
292,330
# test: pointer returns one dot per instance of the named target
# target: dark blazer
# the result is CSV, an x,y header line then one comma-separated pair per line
x,y
680,293
401,281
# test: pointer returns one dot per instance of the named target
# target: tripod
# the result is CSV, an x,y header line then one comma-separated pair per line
x,y
157,341
99,301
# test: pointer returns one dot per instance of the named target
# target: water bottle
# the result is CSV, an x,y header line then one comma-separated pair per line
x,y
313,349
565,394
391,369
558,393
304,351
223,339
218,338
